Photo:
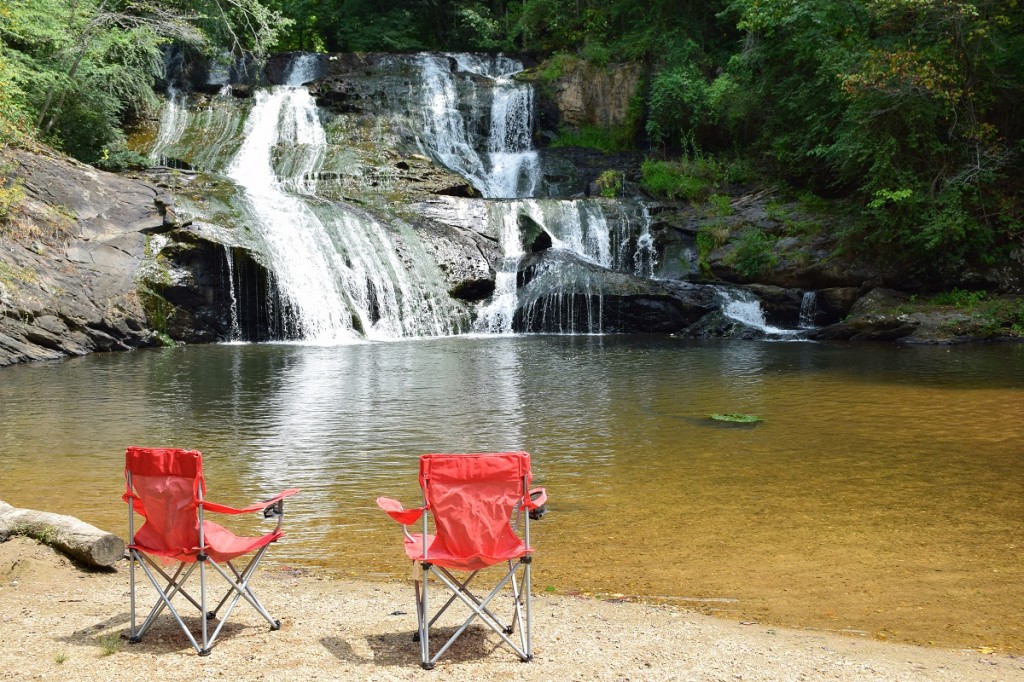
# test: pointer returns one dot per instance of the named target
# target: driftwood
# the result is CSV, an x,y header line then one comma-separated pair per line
x,y
76,538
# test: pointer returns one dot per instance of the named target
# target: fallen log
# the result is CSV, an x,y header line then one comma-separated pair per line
x,y
76,538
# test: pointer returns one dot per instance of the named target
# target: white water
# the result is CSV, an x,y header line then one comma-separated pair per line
x,y
808,310
300,248
645,258
497,316
333,265
504,164
744,307
235,332
173,121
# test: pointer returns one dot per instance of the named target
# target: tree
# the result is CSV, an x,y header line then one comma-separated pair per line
x,y
84,68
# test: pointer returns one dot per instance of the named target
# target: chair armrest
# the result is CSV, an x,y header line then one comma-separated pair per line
x,y
535,502
536,498
394,509
258,506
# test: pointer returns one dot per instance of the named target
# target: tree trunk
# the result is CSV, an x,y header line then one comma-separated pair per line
x,y
79,540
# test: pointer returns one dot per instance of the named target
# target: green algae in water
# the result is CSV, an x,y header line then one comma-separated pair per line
x,y
736,418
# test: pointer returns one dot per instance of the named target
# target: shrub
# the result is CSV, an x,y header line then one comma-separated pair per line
x,y
690,179
121,160
610,183
753,253
959,298
720,206
606,140
709,237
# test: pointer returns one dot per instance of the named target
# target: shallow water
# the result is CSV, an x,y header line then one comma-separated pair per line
x,y
881,495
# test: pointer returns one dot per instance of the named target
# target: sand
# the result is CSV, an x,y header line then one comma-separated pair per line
x,y
63,622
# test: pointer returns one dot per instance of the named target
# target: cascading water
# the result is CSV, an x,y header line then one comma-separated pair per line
x,y
645,257
501,164
334,272
745,308
173,121
563,296
808,310
300,248
235,331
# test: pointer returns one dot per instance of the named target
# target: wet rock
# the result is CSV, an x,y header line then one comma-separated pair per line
x,y
835,303
560,292
716,325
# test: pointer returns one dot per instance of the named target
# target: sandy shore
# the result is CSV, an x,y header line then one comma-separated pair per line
x,y
65,623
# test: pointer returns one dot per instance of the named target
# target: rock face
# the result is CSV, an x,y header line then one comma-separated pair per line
x,y
589,95
94,261
69,257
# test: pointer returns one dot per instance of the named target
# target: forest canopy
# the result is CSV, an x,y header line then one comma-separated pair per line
x,y
906,110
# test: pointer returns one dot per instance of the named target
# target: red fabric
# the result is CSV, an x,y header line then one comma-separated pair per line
x,y
472,498
258,506
165,490
396,511
533,503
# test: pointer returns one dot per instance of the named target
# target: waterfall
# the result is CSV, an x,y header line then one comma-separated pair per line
x,y
496,318
645,258
335,267
745,308
235,332
501,165
300,248
563,296
173,120
808,310
336,271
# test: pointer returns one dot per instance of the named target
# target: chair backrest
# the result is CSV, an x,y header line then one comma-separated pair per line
x,y
165,486
472,498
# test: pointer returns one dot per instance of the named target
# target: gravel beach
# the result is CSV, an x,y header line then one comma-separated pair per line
x,y
66,623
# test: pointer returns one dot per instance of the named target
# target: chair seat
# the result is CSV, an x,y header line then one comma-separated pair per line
x,y
222,544
438,554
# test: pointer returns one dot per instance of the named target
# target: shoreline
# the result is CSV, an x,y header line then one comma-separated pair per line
x,y
67,623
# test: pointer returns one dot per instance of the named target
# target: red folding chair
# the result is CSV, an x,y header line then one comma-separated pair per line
x,y
480,504
166,487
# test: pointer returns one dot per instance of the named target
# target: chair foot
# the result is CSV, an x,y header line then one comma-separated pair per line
x,y
509,630
276,626
204,652
134,640
527,659
210,615
427,666
415,636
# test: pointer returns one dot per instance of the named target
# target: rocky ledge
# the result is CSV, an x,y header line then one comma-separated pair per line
x,y
68,259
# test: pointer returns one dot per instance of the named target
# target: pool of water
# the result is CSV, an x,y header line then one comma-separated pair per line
x,y
882,494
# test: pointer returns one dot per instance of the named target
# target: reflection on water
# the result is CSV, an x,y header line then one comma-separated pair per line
x,y
883,492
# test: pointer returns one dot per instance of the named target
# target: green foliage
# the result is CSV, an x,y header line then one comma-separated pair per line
x,y
709,237
692,179
77,72
109,643
11,192
610,183
122,159
720,206
959,298
753,253
607,140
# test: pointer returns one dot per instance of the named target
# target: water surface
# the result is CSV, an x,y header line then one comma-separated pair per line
x,y
882,495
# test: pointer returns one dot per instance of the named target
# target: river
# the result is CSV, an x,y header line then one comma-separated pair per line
x,y
881,496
